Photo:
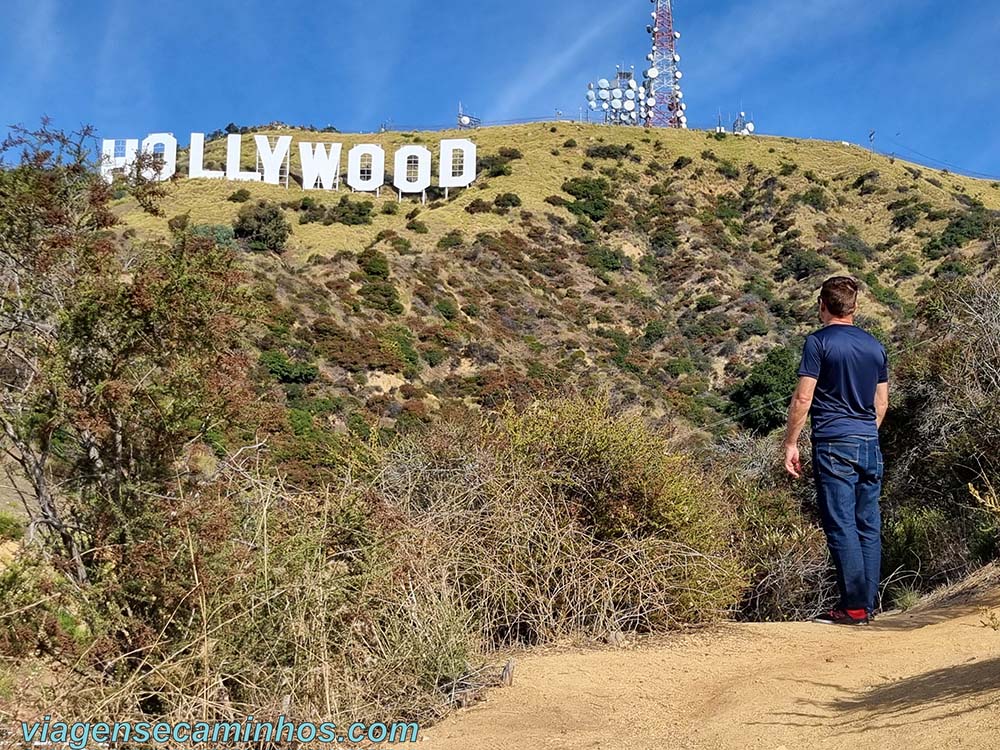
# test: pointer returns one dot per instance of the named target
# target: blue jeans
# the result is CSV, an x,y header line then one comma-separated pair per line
x,y
848,475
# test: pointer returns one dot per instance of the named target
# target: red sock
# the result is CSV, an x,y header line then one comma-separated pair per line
x,y
858,614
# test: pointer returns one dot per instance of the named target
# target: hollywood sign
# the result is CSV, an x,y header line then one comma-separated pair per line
x,y
321,162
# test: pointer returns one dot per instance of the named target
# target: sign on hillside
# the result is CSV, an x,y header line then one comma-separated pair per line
x,y
321,162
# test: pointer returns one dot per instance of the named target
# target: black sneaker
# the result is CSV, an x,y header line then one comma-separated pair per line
x,y
841,617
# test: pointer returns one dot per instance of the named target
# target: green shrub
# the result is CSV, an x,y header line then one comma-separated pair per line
x,y
351,213
592,197
390,208
451,240
707,302
381,295
905,266
479,206
221,234
815,197
417,226
507,200
447,308
801,264
11,528
262,226
240,196
728,170
287,371
760,402
570,143
682,161
374,264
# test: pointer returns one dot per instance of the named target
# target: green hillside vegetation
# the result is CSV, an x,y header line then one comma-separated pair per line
x,y
325,454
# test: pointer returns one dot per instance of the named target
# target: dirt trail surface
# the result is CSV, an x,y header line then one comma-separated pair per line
x,y
925,679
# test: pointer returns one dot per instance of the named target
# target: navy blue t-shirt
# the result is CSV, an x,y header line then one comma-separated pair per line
x,y
848,364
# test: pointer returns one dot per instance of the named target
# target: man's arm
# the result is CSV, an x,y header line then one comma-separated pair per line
x,y
881,402
798,413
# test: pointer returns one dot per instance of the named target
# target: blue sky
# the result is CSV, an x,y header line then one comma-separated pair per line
x,y
922,73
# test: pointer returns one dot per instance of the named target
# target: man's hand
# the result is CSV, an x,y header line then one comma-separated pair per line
x,y
793,462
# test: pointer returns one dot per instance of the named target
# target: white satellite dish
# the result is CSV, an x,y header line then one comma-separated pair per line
x,y
591,96
603,84
751,127
604,94
590,86
653,14
617,93
466,120
677,58
653,73
680,94
651,101
632,84
616,103
743,114
651,57
605,106
629,106
678,75
677,35
683,106
683,120
630,94
593,105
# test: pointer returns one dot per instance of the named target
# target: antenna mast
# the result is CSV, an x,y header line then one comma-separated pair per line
x,y
663,77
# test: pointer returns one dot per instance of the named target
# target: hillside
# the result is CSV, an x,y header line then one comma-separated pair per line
x,y
678,259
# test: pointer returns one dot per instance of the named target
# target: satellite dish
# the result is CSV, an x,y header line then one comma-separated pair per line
x,y
617,93
680,94
466,120
683,105
616,103
743,114
590,87
751,127
651,57
678,75
604,106
630,106
683,119
603,84
653,15
630,94
642,92
677,58
653,73
604,94
632,84
677,35
591,96
592,105
651,101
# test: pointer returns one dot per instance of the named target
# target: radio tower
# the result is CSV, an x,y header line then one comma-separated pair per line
x,y
663,78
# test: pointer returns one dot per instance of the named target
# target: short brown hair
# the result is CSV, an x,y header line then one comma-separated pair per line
x,y
840,295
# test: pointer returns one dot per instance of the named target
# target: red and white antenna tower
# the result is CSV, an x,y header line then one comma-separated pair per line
x,y
663,78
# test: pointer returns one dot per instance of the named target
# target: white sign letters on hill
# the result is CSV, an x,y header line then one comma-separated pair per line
x,y
321,162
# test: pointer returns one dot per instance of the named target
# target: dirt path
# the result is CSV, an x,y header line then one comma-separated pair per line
x,y
926,679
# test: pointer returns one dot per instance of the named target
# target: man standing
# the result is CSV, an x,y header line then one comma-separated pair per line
x,y
844,387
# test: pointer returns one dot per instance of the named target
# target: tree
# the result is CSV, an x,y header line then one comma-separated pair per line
x,y
263,226
760,402
116,358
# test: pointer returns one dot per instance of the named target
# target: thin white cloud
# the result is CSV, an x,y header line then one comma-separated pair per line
x,y
542,70
38,39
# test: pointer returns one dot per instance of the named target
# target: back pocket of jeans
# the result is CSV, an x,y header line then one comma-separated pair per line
x,y
841,458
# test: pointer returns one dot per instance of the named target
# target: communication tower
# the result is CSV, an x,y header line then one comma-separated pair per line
x,y
622,100
664,101
467,121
